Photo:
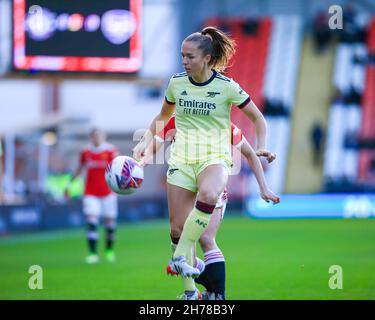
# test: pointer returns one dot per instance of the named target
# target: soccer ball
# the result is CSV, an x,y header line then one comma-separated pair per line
x,y
124,175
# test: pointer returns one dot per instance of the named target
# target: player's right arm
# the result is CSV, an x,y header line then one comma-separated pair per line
x,y
151,149
158,141
75,175
256,166
78,171
158,122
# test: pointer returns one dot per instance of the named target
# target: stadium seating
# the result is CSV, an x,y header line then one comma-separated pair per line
x,y
266,65
371,37
283,60
247,68
339,160
352,115
248,65
367,156
275,177
348,72
280,87
345,117
368,122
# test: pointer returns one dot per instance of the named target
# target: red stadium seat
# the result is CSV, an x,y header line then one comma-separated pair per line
x,y
368,122
249,63
371,37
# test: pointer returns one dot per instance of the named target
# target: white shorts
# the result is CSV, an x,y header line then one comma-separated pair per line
x,y
222,203
101,206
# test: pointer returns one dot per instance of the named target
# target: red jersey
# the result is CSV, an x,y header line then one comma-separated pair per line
x,y
95,159
169,132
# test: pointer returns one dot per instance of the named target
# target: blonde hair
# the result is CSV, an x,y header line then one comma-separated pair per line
x,y
216,43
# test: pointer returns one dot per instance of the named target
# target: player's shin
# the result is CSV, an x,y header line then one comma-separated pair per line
x,y
92,236
188,282
110,235
174,242
215,271
194,226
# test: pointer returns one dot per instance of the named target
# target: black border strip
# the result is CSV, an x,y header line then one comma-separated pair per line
x,y
169,102
244,104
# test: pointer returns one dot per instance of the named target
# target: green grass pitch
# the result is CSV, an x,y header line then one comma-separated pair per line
x,y
266,259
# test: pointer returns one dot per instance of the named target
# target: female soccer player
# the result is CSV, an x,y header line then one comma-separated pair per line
x,y
200,157
98,200
212,270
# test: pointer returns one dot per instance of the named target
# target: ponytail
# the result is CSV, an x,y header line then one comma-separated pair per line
x,y
216,43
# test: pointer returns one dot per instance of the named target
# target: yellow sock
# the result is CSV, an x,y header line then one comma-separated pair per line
x,y
173,246
189,283
194,226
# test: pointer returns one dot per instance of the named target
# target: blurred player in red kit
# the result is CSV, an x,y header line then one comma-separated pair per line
x,y
99,200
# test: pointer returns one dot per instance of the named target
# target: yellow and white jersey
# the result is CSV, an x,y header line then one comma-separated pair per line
x,y
202,113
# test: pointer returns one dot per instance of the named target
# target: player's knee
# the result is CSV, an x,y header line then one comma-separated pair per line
x,y
92,220
209,196
176,231
206,242
174,240
110,224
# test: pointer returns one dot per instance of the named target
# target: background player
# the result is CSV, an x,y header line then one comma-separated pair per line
x,y
212,270
98,198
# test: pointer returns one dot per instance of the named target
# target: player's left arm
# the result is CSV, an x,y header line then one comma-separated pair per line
x,y
253,113
243,101
254,162
151,149
76,173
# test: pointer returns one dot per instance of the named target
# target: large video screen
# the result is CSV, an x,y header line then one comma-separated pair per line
x,y
77,35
